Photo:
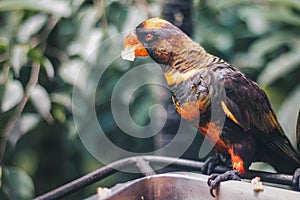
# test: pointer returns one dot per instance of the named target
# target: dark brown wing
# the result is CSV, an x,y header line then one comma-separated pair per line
x,y
248,106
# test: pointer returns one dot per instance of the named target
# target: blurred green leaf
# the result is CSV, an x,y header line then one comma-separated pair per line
x,y
282,14
86,47
255,19
25,124
31,26
48,67
261,47
87,19
279,67
288,3
18,57
88,37
261,166
54,7
288,113
218,5
41,101
13,94
230,3
76,4
28,121
36,54
62,99
74,73
16,184
59,115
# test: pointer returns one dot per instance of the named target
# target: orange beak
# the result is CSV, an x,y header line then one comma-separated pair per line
x,y
133,47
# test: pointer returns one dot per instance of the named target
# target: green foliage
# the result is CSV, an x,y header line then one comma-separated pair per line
x,y
49,47
16,184
262,39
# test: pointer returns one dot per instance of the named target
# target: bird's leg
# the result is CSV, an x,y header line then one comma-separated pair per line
x,y
296,179
210,163
215,179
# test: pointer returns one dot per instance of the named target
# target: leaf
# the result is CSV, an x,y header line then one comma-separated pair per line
x,y
59,114
279,67
258,51
49,67
254,19
12,95
282,14
18,57
1,176
89,50
62,99
230,3
260,48
87,18
288,112
74,72
88,37
41,101
16,184
289,3
218,5
54,7
76,4
26,123
30,27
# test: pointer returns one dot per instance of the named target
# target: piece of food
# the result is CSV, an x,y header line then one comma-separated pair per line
x,y
103,192
257,184
132,47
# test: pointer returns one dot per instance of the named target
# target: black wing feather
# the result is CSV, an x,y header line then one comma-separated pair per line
x,y
252,110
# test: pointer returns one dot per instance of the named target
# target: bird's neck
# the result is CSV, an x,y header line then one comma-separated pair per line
x,y
186,57
185,61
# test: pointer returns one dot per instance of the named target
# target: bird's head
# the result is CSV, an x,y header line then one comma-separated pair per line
x,y
154,37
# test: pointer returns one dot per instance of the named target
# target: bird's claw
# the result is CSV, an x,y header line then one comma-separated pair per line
x,y
210,163
215,179
212,184
296,179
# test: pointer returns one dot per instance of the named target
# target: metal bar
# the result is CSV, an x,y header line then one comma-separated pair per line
x,y
142,162
88,179
144,166
284,179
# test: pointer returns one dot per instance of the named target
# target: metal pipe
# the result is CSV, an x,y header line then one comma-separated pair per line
x,y
88,179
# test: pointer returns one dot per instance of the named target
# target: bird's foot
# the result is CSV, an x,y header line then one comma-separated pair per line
x,y
296,179
210,164
215,179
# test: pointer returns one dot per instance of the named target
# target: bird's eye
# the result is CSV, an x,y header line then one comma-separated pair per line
x,y
149,37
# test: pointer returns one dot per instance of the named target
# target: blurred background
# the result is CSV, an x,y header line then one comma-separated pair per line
x,y
43,43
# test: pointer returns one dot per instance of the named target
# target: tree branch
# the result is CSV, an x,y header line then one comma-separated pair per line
x,y
19,109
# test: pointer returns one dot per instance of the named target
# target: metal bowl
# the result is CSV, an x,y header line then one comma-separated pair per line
x,y
185,185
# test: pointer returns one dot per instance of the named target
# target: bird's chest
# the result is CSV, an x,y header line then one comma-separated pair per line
x,y
195,112
188,110
187,101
